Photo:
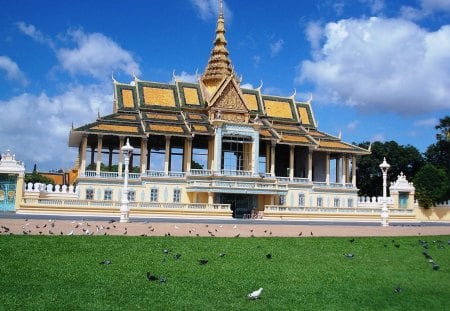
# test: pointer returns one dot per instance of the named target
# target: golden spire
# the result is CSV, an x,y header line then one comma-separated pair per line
x,y
219,64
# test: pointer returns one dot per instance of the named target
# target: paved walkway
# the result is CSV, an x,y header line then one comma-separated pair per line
x,y
63,225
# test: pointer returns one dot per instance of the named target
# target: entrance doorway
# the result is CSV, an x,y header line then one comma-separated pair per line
x,y
241,204
7,192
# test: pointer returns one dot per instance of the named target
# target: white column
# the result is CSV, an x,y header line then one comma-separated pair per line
x,y
344,169
255,150
354,170
143,155
310,160
121,142
167,156
327,168
291,162
272,158
188,153
218,149
83,151
210,197
99,154
338,170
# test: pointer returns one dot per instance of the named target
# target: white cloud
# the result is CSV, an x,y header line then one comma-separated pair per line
x,y
430,122
427,8
247,86
352,125
380,64
376,6
12,70
186,77
314,34
35,34
209,9
276,47
96,55
378,137
36,127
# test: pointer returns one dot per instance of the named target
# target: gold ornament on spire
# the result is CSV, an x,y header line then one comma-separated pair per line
x,y
219,64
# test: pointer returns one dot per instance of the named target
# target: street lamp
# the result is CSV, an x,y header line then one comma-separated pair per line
x,y
127,150
384,210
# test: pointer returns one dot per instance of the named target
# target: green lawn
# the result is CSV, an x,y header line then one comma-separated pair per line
x,y
63,273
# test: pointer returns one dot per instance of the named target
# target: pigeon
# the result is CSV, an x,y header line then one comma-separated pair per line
x,y
162,279
435,266
177,256
255,294
352,240
349,255
106,262
398,289
166,251
397,245
203,261
221,254
151,277
269,256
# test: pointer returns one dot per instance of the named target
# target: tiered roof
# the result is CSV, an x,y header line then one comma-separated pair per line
x,y
145,108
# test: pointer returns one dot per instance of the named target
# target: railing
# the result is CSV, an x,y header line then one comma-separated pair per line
x,y
109,175
200,172
295,180
336,210
71,203
150,173
235,173
237,185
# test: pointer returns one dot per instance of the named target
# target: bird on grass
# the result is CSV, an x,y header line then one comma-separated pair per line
x,y
349,255
203,261
221,254
106,262
177,256
352,240
269,256
255,294
162,279
435,266
398,289
151,276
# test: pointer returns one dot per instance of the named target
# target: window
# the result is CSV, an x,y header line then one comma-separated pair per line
x,y
350,202
336,202
319,202
131,195
89,194
107,195
301,199
154,195
282,200
176,195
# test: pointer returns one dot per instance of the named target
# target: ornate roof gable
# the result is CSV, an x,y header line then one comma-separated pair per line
x,y
228,103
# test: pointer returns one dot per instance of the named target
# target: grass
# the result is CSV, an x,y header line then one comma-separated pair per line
x,y
63,273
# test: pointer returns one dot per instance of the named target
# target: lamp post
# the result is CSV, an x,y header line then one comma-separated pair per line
x,y
127,150
384,210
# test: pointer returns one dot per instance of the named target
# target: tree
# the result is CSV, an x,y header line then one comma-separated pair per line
x,y
431,185
369,179
35,177
438,153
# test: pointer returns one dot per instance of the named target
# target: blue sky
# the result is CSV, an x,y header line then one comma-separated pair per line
x,y
377,70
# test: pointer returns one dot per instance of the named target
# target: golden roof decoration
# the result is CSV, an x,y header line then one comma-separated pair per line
x,y
219,65
278,109
159,96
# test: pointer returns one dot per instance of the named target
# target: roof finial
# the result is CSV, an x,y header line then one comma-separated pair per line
x,y
221,9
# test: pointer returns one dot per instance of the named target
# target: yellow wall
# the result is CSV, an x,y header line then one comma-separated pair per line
x,y
432,214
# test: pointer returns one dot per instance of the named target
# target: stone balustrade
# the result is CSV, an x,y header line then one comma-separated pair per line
x,y
55,189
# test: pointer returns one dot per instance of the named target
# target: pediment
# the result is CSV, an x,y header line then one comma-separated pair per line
x,y
229,98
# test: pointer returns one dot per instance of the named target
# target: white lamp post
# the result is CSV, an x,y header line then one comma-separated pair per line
x,y
384,210
127,150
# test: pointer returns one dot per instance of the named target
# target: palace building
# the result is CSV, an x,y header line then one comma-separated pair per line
x,y
213,147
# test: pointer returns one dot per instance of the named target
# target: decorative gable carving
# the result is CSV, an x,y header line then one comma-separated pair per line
x,y
228,103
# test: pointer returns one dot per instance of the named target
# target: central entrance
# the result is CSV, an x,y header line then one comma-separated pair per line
x,y
241,204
